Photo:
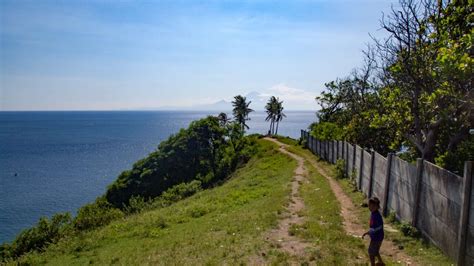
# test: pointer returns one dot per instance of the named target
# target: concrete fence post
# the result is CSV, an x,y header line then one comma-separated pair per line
x,y
386,188
314,146
346,158
320,150
354,150
371,173
465,208
331,150
361,167
326,150
309,142
419,174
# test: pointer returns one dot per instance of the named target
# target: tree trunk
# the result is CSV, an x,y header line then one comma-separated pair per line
x,y
276,131
271,127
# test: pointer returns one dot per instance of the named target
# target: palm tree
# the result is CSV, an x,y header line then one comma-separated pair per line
x,y
241,111
223,119
270,109
279,115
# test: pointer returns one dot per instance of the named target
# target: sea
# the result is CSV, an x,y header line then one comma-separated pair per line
x,y
58,161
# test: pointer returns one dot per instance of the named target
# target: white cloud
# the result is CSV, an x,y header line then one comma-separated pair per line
x,y
293,98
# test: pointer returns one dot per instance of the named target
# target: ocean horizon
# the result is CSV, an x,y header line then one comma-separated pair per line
x,y
57,161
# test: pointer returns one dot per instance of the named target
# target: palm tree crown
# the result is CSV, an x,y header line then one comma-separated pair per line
x,y
223,119
274,110
241,111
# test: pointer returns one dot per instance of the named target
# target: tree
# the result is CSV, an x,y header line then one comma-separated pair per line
x,y
428,74
199,152
241,111
271,109
223,119
279,115
414,93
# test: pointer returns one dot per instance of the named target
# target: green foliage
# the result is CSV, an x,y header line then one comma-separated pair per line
x,y
38,237
223,225
241,111
414,91
181,191
409,230
274,109
96,214
136,204
208,150
340,169
326,131
454,160
392,217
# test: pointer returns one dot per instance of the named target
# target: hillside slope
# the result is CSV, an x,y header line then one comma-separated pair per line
x,y
224,224
277,209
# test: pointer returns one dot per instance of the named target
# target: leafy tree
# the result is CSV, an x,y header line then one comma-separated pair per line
x,y
205,151
414,92
428,70
241,111
327,131
223,119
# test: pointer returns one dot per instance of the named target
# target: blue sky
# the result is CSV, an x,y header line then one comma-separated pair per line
x,y
103,55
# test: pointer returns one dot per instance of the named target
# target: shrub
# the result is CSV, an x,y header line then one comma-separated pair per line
x,y
340,169
392,217
409,230
136,204
96,214
39,236
181,191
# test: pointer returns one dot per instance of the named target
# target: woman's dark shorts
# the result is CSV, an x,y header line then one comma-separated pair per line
x,y
374,247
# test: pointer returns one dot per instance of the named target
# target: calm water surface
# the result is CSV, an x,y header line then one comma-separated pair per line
x,y
58,161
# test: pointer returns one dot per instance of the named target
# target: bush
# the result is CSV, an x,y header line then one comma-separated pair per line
x,y
392,217
340,169
96,214
38,237
409,230
181,191
136,204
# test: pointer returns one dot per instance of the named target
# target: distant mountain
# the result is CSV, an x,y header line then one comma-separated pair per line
x,y
221,105
293,99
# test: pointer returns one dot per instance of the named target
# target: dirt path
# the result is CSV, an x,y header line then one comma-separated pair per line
x,y
352,225
295,246
281,235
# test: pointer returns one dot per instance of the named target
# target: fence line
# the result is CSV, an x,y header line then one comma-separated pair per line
x,y
439,203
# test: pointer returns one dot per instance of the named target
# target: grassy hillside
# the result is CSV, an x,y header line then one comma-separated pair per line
x,y
229,224
223,224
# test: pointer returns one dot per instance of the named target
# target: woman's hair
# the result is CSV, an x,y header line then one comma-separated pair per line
x,y
374,200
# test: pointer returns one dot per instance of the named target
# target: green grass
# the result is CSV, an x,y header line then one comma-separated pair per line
x,y
323,225
230,224
223,225
422,251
